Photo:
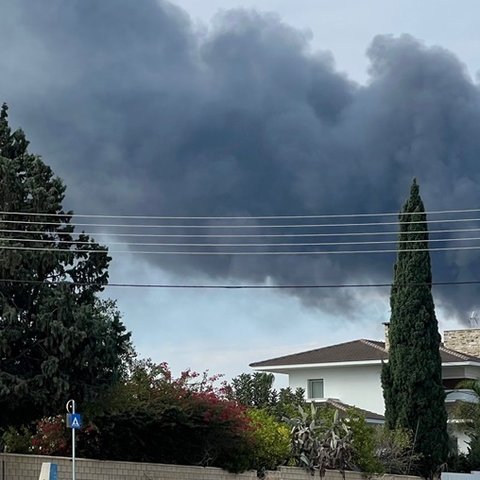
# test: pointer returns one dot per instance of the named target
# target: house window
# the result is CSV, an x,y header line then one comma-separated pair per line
x,y
315,388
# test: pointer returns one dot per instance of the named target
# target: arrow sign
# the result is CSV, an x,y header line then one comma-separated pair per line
x,y
74,420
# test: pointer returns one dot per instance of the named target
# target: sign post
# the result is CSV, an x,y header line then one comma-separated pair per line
x,y
74,421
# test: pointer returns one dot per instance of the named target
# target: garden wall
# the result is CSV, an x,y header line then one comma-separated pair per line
x,y
27,467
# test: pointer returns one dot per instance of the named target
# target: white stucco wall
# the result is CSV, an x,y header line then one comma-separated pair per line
x,y
449,371
472,372
463,371
358,385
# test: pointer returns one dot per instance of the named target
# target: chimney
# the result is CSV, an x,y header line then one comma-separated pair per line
x,y
387,341
465,341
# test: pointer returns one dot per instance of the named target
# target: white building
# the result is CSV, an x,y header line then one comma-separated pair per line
x,y
349,373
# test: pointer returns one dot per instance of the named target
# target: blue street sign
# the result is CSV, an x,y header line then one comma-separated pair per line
x,y
74,420
53,472
48,471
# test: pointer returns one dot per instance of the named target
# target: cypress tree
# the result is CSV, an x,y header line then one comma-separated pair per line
x,y
412,379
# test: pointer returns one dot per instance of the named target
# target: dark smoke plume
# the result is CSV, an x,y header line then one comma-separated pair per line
x,y
140,112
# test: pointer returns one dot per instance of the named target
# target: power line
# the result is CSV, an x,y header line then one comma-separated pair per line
x,y
236,287
240,235
364,224
238,217
249,245
216,253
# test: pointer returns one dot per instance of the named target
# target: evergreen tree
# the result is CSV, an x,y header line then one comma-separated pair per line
x,y
412,379
57,338
256,390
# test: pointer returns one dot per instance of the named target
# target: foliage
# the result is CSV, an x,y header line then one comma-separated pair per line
x,y
287,402
473,455
316,448
51,437
185,420
256,390
272,440
394,450
363,442
459,463
17,440
466,462
146,383
469,412
324,415
412,378
56,339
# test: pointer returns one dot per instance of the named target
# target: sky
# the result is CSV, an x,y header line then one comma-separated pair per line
x,y
252,108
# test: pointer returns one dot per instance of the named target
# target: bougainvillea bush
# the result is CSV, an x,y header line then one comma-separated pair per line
x,y
51,437
154,417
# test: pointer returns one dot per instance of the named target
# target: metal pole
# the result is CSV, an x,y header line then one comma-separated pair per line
x,y
71,410
73,444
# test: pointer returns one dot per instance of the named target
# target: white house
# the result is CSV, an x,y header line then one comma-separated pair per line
x,y
349,373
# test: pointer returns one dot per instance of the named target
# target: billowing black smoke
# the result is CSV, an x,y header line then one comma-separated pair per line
x,y
140,112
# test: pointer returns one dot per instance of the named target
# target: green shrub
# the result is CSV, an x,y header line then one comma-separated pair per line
x,y
363,442
458,462
394,449
271,439
17,440
473,455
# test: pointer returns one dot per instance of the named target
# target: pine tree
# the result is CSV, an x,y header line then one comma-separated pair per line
x,y
412,379
57,338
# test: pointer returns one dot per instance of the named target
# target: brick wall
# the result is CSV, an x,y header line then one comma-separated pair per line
x,y
27,467
465,341
293,473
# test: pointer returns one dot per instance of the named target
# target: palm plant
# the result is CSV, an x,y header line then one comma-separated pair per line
x,y
469,412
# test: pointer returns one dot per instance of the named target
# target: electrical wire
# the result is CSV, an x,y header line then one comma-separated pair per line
x,y
329,225
240,235
235,217
237,287
215,253
250,245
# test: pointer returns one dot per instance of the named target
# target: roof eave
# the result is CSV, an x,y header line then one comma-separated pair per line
x,y
315,365
462,363
278,368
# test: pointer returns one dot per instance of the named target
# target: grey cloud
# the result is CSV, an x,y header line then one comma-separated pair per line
x,y
140,112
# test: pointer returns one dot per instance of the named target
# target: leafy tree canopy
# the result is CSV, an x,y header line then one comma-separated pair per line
x,y
256,390
57,338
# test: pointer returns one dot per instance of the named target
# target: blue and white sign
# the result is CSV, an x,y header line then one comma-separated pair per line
x,y
74,420
48,471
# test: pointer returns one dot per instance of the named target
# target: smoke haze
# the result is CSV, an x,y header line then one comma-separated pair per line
x,y
143,112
